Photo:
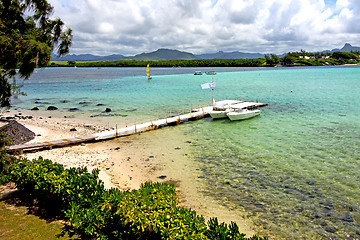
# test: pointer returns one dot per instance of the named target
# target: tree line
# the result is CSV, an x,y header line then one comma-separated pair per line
x,y
291,59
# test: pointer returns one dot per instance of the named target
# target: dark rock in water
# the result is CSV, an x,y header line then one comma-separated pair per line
x,y
73,109
35,109
298,208
17,133
100,104
64,101
347,218
258,205
38,102
107,110
51,108
310,182
108,115
130,110
84,103
73,130
177,148
162,177
330,229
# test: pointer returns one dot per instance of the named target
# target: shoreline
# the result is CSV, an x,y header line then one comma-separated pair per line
x,y
127,162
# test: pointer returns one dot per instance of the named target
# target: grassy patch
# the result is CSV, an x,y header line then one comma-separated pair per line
x,y
15,223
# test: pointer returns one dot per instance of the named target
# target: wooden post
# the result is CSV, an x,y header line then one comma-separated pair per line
x,y
116,132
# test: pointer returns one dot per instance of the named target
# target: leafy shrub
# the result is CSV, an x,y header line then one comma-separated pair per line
x,y
148,213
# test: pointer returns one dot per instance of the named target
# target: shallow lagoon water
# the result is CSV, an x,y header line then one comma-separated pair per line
x,y
294,169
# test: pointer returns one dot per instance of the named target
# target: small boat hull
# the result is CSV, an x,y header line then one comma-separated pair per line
x,y
242,115
211,73
218,114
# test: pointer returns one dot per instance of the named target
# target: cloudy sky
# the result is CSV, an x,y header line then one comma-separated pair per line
x,y
130,27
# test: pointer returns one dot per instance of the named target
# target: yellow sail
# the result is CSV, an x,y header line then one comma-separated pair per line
x,y
148,71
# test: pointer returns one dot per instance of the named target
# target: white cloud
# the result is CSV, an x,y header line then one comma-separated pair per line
x,y
133,26
342,4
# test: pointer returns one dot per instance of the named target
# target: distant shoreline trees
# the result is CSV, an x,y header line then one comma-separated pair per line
x,y
302,58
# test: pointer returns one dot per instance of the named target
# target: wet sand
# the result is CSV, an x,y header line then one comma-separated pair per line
x,y
126,162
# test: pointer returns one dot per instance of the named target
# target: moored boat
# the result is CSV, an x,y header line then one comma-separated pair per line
x,y
224,104
221,108
210,73
215,114
242,114
198,73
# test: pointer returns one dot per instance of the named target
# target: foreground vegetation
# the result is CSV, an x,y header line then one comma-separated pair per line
x,y
291,59
79,197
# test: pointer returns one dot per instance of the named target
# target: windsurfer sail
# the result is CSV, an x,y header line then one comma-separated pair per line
x,y
148,72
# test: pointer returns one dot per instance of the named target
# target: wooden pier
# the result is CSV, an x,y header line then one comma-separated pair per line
x,y
126,131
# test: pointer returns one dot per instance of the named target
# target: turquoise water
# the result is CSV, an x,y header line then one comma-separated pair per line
x,y
294,169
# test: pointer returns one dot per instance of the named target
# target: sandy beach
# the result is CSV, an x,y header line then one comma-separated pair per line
x,y
126,162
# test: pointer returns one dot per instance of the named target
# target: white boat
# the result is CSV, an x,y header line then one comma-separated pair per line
x,y
218,114
198,73
224,104
210,73
221,108
242,114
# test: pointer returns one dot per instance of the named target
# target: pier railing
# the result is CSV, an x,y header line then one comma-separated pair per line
x,y
115,131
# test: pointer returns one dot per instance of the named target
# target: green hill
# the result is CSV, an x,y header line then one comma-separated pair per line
x,y
164,54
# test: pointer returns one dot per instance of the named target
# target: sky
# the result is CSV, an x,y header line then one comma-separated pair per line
x,y
130,27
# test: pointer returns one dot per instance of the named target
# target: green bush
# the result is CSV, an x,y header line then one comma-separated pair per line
x,y
94,212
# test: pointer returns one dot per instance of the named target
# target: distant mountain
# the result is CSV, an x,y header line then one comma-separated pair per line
x,y
229,55
169,54
88,57
347,48
164,54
